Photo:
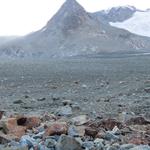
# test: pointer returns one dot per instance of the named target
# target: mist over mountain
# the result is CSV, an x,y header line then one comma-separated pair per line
x,y
73,31
6,39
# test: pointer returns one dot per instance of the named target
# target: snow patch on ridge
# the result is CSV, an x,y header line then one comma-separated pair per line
x,y
139,23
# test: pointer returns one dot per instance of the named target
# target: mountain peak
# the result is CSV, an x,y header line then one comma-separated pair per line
x,y
68,8
70,16
72,5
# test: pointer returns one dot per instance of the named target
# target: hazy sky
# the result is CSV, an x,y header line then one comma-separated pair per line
x,y
19,17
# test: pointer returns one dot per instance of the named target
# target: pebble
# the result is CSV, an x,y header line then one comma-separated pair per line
x,y
67,102
64,111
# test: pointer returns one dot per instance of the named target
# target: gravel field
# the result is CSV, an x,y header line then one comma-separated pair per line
x,y
105,86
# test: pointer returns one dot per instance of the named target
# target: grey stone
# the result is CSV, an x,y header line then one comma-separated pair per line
x,y
88,145
72,131
80,120
26,140
18,102
68,143
126,146
64,111
99,144
50,143
116,131
15,148
141,147
39,135
111,137
113,147
67,102
43,147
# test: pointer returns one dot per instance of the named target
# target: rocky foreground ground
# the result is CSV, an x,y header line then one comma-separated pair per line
x,y
75,104
63,131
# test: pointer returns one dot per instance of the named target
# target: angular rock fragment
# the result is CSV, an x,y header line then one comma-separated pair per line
x,y
137,121
64,111
141,140
109,124
56,128
91,132
80,120
68,143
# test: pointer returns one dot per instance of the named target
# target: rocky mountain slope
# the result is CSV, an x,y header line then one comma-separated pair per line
x,y
73,31
5,39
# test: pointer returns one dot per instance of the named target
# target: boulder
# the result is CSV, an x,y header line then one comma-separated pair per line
x,y
56,128
68,143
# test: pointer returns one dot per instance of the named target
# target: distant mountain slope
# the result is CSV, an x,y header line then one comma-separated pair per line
x,y
139,23
115,14
73,31
5,39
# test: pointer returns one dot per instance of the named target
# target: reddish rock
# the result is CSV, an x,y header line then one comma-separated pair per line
x,y
28,122
18,126
4,139
139,141
12,128
140,128
32,122
56,128
91,131
100,134
18,131
137,121
109,124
